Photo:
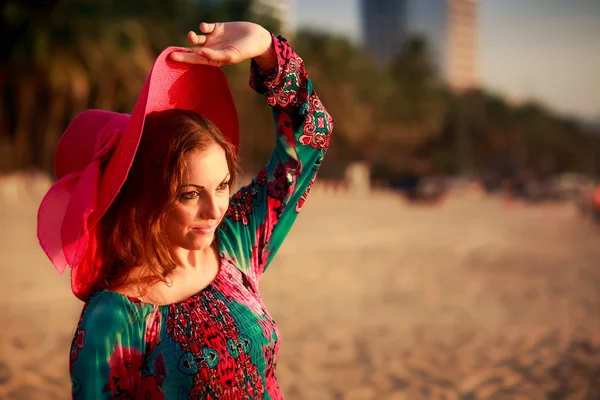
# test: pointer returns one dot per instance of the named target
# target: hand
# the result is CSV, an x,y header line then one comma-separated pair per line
x,y
229,43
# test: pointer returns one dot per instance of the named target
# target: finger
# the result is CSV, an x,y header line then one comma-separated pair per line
x,y
189,58
207,28
192,37
216,57
196,40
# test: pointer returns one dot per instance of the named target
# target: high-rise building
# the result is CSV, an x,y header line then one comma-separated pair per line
x,y
384,27
461,57
448,26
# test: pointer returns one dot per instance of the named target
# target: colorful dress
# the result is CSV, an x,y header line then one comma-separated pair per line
x,y
220,343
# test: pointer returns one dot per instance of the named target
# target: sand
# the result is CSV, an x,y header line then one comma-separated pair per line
x,y
375,299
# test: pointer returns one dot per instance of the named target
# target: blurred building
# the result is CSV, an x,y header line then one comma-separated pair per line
x,y
384,27
461,49
448,26
279,11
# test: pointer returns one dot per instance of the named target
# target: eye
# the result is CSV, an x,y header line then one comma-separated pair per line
x,y
223,186
189,195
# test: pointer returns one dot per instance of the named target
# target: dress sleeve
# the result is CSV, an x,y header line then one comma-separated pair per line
x,y
107,352
261,214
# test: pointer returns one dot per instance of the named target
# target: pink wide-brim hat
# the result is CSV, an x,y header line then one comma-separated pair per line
x,y
95,153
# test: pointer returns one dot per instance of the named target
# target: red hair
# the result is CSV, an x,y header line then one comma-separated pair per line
x,y
135,222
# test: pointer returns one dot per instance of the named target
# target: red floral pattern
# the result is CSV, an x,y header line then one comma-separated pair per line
x,y
283,183
152,334
317,127
260,252
300,203
204,325
78,341
241,203
127,380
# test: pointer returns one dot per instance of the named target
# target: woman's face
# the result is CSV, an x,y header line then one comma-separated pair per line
x,y
201,202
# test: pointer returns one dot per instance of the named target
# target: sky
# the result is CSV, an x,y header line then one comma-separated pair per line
x,y
543,50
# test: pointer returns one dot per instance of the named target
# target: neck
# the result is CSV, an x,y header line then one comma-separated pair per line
x,y
193,259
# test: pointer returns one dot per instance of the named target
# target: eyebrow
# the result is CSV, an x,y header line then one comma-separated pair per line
x,y
199,187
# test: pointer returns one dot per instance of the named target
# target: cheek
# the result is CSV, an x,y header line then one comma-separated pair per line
x,y
181,216
224,205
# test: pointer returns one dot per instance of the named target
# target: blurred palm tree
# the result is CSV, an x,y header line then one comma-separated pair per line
x,y
349,85
68,56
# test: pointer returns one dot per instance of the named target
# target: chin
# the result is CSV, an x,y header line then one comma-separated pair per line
x,y
202,244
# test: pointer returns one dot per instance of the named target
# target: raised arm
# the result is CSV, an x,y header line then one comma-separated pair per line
x,y
261,214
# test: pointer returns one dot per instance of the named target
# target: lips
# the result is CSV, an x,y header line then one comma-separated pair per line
x,y
204,230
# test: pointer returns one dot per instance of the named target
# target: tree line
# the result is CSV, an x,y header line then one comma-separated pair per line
x,y
60,57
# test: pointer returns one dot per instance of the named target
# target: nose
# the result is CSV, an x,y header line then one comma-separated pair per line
x,y
209,209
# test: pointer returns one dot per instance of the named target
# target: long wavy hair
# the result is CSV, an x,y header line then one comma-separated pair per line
x,y
135,222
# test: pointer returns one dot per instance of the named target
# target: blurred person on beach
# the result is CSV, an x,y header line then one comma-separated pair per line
x,y
596,202
165,259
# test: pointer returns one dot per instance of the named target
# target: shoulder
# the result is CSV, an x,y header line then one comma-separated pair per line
x,y
108,313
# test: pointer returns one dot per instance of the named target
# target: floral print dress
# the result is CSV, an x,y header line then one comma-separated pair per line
x,y
220,343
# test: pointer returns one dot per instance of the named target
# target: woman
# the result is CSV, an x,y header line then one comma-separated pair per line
x,y
166,261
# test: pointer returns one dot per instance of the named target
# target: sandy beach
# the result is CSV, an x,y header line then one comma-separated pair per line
x,y
375,299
